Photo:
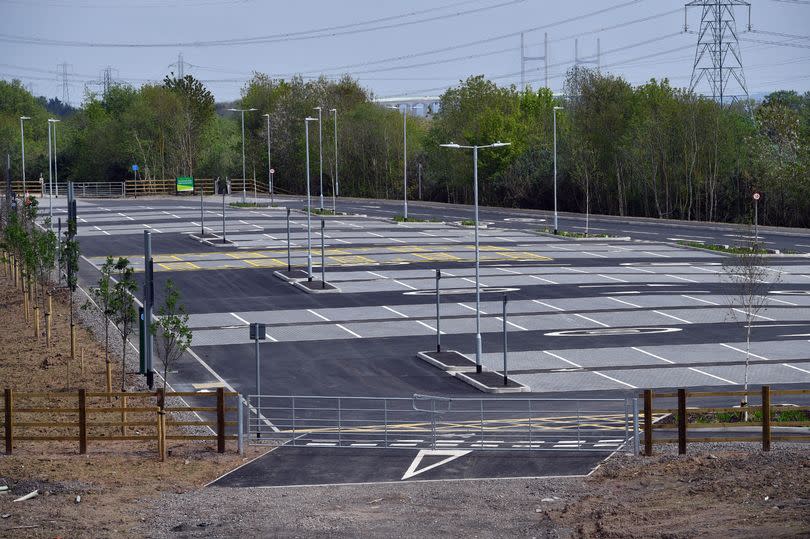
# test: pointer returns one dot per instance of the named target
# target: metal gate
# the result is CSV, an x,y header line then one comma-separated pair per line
x,y
433,422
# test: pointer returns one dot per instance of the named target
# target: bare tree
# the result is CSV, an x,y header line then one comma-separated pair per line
x,y
751,281
123,307
173,336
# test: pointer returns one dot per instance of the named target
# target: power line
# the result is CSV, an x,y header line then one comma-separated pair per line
x,y
333,31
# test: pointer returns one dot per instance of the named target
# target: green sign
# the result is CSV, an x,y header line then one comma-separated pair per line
x,y
185,183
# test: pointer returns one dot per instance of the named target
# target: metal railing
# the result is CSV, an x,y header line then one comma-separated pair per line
x,y
431,422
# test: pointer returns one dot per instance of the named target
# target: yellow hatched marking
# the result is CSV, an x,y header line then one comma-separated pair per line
x,y
438,257
355,259
266,263
257,254
336,252
179,266
525,255
408,249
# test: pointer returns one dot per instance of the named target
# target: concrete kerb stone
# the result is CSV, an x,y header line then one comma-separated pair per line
x,y
516,388
303,285
589,238
771,252
462,363
295,275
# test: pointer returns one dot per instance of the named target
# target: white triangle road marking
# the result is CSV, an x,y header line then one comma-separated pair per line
x,y
451,454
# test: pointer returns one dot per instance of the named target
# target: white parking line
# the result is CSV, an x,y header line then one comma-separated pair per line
x,y
472,281
322,317
593,254
499,319
505,270
681,278
549,281
471,308
592,320
698,299
665,360
656,254
395,311
375,234
783,301
640,269
626,303
704,269
563,359
574,270
381,276
548,305
347,330
240,318
743,351
673,317
405,285
612,278
431,328
754,315
794,367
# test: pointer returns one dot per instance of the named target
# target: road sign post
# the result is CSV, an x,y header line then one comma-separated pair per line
x,y
223,216
757,196
258,332
135,171
289,251
270,187
505,371
438,315
323,258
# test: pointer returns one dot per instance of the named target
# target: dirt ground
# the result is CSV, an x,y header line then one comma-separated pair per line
x,y
729,490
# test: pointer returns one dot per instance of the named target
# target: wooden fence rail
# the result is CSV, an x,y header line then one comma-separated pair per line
x,y
137,417
682,426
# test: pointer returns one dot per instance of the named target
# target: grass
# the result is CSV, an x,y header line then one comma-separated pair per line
x,y
401,219
754,416
567,234
321,211
722,248
248,205
468,222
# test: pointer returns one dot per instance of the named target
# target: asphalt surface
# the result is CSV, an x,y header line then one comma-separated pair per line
x,y
587,319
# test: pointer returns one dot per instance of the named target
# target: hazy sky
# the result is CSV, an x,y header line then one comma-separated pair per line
x,y
418,47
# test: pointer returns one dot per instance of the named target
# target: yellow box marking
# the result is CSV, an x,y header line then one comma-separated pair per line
x,y
352,259
438,257
407,249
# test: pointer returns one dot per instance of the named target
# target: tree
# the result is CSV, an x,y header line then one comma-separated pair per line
x,y
123,307
751,281
103,295
173,336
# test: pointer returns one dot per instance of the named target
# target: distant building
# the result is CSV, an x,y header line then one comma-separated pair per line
x,y
424,106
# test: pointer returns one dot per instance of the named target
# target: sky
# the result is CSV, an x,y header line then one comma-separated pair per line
x,y
414,48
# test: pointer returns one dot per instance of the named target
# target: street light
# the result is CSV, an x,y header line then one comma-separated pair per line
x,y
335,180
243,111
477,256
52,174
269,167
309,203
404,159
555,166
22,141
320,148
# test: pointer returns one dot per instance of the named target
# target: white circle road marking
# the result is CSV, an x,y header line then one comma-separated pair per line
x,y
602,332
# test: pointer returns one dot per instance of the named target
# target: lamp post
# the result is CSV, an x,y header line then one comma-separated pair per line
x,y
243,111
335,180
555,109
477,254
51,166
22,142
309,204
404,160
320,148
269,166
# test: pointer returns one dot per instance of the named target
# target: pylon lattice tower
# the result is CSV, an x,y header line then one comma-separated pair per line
x,y
718,62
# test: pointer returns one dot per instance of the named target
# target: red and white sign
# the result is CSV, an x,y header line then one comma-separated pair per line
x,y
757,196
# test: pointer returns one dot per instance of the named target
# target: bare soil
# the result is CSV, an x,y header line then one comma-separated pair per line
x,y
728,490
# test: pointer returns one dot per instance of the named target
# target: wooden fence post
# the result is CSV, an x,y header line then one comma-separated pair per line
x,y
124,415
220,419
161,425
82,421
9,404
648,432
766,418
681,421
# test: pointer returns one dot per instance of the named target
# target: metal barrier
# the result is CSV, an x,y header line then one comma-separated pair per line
x,y
430,422
87,189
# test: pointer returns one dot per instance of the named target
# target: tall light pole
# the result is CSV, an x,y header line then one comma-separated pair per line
x,y
335,180
309,204
320,148
555,109
404,159
243,111
269,165
22,141
51,165
477,255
